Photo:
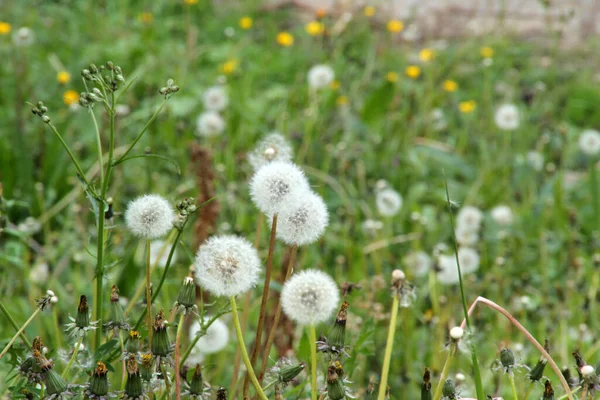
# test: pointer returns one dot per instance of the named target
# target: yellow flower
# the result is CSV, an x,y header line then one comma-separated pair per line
x,y
413,71
191,2
369,11
321,13
342,100
335,85
467,107
146,17
426,55
63,77
391,76
395,26
450,86
5,28
246,23
228,67
70,97
487,52
285,39
315,28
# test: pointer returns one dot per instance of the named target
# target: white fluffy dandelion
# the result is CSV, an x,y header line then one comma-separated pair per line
x,y
303,220
215,98
215,340
388,202
272,148
589,142
466,237
535,159
502,214
469,218
23,37
438,119
448,268
149,216
310,297
469,260
210,124
320,76
276,184
507,117
418,262
456,333
227,265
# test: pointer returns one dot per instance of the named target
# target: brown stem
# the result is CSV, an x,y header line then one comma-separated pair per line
x,y
178,357
526,333
271,338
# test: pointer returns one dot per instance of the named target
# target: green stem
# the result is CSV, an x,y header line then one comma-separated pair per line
x,y
573,392
148,295
438,390
14,324
139,136
270,385
19,332
594,190
388,350
71,155
98,146
240,337
167,383
75,351
177,357
312,339
511,379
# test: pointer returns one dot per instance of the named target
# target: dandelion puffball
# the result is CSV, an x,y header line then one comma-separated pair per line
x,y
507,117
535,160
227,265
466,237
502,215
589,142
215,98
388,202
309,297
469,218
209,124
303,220
320,76
469,260
272,148
456,333
587,371
276,184
215,340
418,262
149,216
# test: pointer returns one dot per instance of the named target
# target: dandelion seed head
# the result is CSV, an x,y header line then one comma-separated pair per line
x,y
418,262
587,370
310,297
469,218
536,160
210,124
456,333
320,76
149,216
469,260
302,220
276,184
215,98
215,340
507,117
388,202
589,142
272,148
466,237
502,214
23,37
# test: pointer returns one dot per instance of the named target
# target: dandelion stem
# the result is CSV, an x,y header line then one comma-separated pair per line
x,y
75,352
511,379
98,146
14,324
178,356
388,350
167,383
9,345
312,341
438,389
240,337
594,190
148,295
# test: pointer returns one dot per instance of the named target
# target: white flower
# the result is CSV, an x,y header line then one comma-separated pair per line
x,y
418,262
39,273
438,119
149,216
303,220
276,184
272,148
320,76
309,297
502,215
589,142
23,37
466,237
215,98
469,218
215,340
227,265
456,333
507,117
388,202
159,253
210,124
448,274
535,160
469,260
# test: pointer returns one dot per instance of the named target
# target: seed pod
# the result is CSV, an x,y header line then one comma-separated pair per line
x,y
187,294
55,384
337,335
288,372
548,391
83,313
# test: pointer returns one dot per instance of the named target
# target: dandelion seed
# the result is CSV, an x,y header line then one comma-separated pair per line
x,y
310,297
438,119
456,333
303,220
469,218
272,148
502,215
507,117
589,142
466,237
210,124
215,339
276,184
149,216
389,202
371,226
469,260
215,98
320,76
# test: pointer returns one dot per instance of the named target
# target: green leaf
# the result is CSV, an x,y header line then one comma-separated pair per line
x,y
377,103
103,352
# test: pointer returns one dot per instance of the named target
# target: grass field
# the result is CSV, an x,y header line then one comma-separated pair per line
x,y
506,123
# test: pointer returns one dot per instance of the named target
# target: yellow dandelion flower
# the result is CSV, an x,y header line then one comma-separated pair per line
x,y
342,100
467,107
450,86
369,11
335,85
70,97
487,52
413,71
391,76
63,77
191,2
426,54
285,39
246,23
146,17
314,28
395,26
5,28
228,67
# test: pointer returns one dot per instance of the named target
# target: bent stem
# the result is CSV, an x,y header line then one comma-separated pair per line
x,y
388,350
177,357
312,338
527,335
240,338
438,389
19,332
14,324
75,351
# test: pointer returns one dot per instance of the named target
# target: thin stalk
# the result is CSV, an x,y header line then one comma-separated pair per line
x,y
594,190
584,392
240,338
71,155
564,396
438,389
98,146
312,339
139,136
148,295
177,357
511,379
388,350
167,383
19,332
14,324
75,352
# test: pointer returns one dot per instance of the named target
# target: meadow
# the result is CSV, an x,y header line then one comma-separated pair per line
x,y
180,181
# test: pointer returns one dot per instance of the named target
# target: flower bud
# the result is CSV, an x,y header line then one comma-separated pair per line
x,y
55,384
161,345
83,313
507,358
197,384
548,391
288,372
426,393
133,344
147,366
133,387
449,389
45,118
335,386
99,380
337,336
187,294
